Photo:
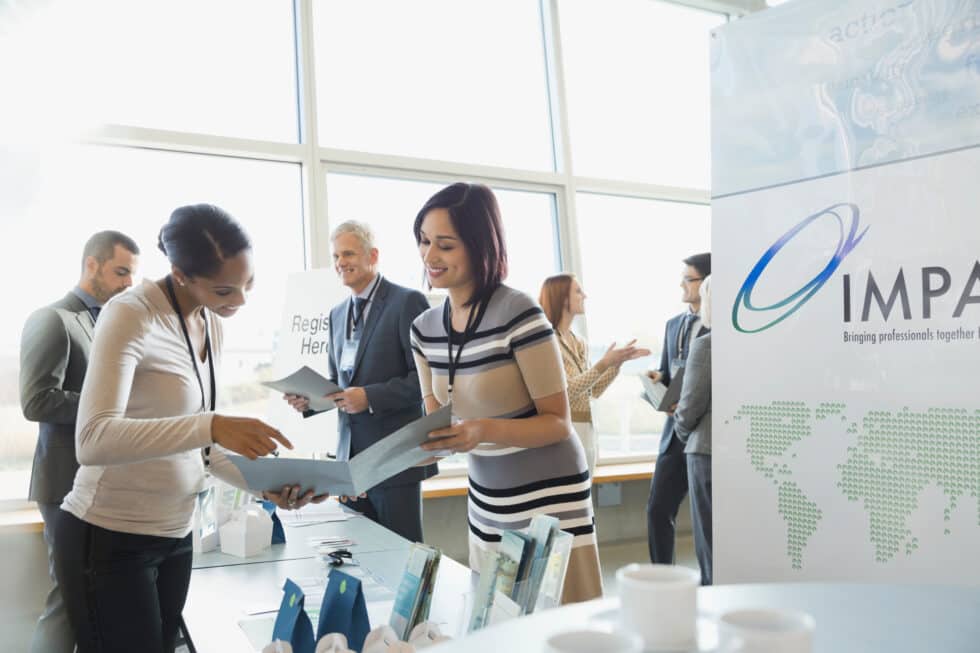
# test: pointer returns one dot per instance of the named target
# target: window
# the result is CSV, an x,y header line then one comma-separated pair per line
x,y
88,189
636,74
223,67
632,252
390,206
437,79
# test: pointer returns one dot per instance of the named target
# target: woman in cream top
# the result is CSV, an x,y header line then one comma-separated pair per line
x,y
145,433
562,298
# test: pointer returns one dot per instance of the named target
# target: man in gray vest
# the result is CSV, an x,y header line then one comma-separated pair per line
x,y
53,358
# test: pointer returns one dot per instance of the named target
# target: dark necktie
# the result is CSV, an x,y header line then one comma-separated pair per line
x,y
94,312
686,334
360,303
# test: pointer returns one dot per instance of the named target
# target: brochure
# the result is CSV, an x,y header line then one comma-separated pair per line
x,y
392,454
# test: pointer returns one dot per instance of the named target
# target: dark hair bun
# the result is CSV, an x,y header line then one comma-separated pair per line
x,y
199,238
160,245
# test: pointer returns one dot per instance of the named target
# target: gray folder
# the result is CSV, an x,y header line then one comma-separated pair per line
x,y
392,454
661,396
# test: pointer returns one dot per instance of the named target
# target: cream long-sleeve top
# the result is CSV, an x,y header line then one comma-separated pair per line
x,y
585,382
141,426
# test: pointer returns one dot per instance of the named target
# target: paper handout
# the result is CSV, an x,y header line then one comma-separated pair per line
x,y
392,454
306,382
661,396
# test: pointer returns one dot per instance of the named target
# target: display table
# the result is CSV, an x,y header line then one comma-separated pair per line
x,y
850,618
232,601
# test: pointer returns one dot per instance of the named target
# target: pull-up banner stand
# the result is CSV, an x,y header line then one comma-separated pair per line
x,y
846,292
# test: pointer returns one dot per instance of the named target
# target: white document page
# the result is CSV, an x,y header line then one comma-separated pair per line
x,y
308,383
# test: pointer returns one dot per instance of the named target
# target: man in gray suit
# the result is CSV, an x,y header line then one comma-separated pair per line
x,y
692,423
669,484
370,356
53,359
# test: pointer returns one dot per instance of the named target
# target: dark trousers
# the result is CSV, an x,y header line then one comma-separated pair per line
x,y
123,592
397,507
53,632
699,486
667,490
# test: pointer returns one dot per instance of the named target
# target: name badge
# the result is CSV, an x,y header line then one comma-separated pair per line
x,y
675,365
348,355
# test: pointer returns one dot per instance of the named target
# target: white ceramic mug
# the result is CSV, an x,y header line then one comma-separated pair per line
x,y
660,604
593,641
765,631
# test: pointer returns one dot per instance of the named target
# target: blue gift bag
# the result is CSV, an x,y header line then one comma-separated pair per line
x,y
344,611
292,623
278,534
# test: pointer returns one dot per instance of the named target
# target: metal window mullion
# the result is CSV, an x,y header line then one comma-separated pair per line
x,y
568,240
192,143
314,180
514,181
640,190
393,165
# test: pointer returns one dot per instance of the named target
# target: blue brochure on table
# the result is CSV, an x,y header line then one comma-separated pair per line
x,y
415,590
292,623
278,534
343,610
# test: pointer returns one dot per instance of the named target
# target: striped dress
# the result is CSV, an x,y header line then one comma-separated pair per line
x,y
512,360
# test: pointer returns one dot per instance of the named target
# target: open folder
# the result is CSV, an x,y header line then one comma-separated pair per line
x,y
661,396
308,383
392,454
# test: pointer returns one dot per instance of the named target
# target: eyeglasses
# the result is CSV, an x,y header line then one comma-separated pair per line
x,y
692,279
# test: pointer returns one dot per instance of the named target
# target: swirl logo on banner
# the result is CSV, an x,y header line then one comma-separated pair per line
x,y
801,296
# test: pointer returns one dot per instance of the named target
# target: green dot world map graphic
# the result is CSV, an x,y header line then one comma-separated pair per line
x,y
892,458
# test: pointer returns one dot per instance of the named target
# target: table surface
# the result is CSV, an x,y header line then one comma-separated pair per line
x,y
366,535
850,618
226,590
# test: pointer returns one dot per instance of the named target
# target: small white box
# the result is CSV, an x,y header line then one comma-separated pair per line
x,y
248,533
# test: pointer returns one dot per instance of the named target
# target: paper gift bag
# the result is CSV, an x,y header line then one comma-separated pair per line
x,y
292,623
343,610
278,534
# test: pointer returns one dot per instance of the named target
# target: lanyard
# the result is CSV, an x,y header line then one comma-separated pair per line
x,y
355,321
472,323
684,336
190,347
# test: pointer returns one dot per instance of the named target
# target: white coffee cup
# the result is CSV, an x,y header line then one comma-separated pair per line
x,y
765,631
593,641
660,604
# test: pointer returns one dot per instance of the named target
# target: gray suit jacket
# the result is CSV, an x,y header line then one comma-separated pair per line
x,y
669,353
692,419
54,353
385,367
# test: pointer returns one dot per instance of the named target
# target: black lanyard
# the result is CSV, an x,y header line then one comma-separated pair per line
x,y
190,347
355,321
684,337
472,323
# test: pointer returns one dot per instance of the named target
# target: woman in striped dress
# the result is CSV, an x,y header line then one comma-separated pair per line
x,y
502,371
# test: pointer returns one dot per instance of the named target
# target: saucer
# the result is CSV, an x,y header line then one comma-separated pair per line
x,y
707,631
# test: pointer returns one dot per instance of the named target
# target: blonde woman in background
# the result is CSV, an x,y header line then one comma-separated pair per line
x,y
562,298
